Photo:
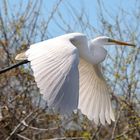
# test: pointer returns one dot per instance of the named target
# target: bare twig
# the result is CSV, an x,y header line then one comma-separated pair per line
x,y
18,126
72,138
23,137
125,132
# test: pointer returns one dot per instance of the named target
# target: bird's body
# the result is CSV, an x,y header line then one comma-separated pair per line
x,y
67,72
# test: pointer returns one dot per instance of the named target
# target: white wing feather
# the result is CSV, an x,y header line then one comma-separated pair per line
x,y
55,68
94,97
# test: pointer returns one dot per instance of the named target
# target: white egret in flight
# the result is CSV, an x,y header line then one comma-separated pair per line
x,y
67,72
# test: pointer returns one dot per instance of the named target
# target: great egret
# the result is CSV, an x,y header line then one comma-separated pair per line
x,y
67,72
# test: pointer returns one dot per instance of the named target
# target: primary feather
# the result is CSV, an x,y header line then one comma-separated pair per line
x,y
94,98
55,68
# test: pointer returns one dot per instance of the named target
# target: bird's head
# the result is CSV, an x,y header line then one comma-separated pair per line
x,y
104,40
97,50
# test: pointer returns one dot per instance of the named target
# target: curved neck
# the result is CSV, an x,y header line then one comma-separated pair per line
x,y
97,53
84,53
83,49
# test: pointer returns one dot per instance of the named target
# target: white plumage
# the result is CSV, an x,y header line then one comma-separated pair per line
x,y
56,73
94,99
68,74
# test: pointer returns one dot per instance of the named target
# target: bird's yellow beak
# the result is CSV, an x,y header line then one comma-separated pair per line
x,y
120,42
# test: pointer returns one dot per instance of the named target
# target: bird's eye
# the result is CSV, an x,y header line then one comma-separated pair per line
x,y
109,40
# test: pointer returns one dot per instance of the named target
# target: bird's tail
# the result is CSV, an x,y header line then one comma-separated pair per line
x,y
21,56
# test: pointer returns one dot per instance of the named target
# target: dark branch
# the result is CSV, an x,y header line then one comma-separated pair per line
x,y
13,66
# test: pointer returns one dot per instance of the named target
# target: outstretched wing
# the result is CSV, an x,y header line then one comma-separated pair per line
x,y
55,68
94,97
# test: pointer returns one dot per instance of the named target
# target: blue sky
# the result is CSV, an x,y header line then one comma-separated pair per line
x,y
90,6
